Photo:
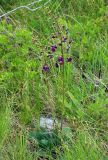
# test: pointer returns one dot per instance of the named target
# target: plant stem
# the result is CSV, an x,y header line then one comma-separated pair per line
x,y
63,85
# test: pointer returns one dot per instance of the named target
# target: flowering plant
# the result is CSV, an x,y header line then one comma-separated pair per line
x,y
56,57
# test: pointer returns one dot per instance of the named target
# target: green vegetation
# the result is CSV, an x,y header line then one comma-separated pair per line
x,y
68,83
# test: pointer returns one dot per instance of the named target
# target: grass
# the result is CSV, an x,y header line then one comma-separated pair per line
x,y
78,93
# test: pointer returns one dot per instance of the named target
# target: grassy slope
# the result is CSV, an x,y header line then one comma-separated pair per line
x,y
86,102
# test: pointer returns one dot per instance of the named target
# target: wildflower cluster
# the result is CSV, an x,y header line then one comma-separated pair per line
x,y
58,50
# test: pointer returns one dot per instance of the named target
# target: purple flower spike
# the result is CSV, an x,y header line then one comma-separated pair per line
x,y
69,59
60,60
45,68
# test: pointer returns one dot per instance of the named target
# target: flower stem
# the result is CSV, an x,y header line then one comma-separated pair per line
x,y
63,85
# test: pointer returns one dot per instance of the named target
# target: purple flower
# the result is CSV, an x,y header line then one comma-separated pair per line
x,y
69,59
45,68
60,60
53,48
